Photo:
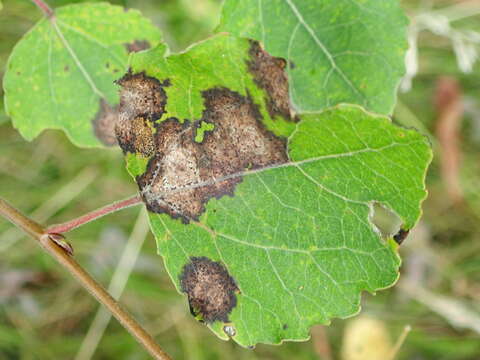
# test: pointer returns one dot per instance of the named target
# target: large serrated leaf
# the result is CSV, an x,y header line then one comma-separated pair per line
x,y
293,243
61,73
339,51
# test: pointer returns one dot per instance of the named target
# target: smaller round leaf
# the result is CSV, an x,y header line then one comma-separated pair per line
x,y
61,74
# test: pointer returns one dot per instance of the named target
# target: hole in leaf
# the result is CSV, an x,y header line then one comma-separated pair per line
x,y
385,220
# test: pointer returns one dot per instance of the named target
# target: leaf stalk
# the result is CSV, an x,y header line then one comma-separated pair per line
x,y
94,215
46,9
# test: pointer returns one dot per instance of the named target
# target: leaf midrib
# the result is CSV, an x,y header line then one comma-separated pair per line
x,y
296,164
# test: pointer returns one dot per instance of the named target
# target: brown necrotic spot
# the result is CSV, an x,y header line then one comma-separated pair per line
x,y
210,289
104,123
142,101
142,137
184,174
137,45
269,74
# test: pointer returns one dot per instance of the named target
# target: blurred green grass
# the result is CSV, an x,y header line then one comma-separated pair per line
x,y
47,315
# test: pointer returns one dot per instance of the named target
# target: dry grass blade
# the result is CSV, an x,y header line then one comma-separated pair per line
x,y
450,112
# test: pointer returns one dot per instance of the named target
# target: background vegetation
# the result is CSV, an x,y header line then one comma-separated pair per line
x,y
44,314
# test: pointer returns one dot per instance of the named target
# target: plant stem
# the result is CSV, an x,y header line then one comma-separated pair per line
x,y
26,224
37,232
47,10
82,220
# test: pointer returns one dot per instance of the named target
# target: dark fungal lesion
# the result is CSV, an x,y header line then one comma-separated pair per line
x,y
269,74
104,123
184,174
210,289
130,124
142,102
142,95
137,45
184,170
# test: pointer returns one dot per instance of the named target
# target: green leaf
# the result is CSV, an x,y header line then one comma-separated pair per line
x,y
62,72
338,51
282,243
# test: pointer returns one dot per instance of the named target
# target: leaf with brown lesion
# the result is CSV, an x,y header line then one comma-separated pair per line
x,y
295,230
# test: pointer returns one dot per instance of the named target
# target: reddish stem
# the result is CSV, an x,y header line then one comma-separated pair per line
x,y
47,10
73,224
